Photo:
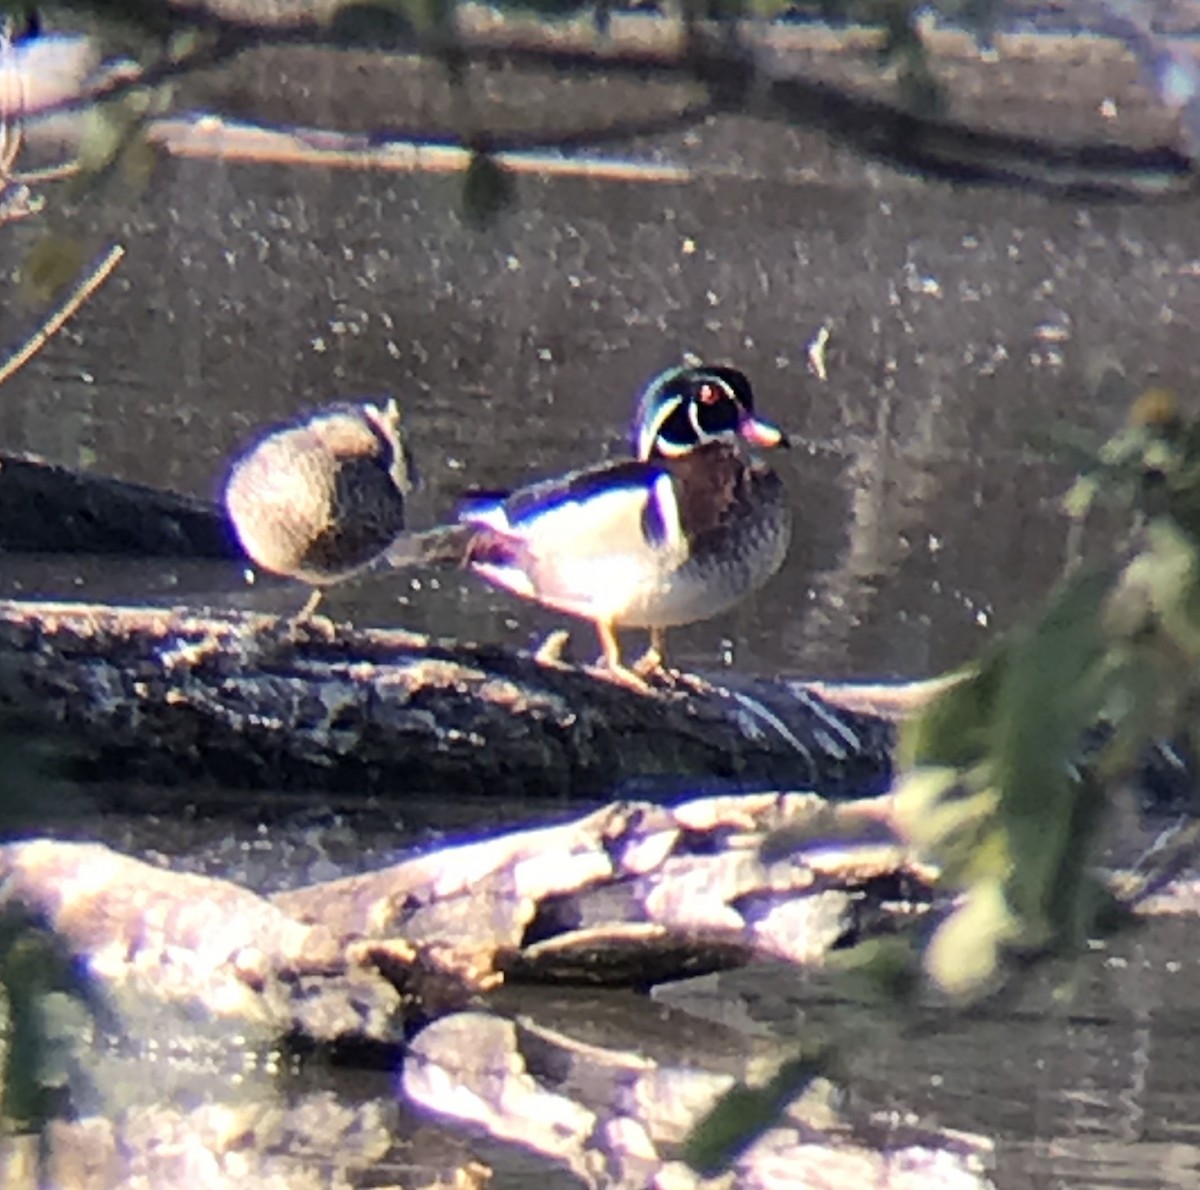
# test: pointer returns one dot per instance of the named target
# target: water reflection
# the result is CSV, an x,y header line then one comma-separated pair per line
x,y
924,522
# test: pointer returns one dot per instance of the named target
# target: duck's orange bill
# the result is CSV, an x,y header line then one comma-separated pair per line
x,y
761,433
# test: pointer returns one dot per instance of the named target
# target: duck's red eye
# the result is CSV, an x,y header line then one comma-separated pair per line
x,y
709,394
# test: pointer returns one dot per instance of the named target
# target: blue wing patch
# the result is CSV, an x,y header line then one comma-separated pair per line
x,y
528,504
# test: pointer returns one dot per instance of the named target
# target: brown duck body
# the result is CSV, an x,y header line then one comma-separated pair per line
x,y
736,518
320,498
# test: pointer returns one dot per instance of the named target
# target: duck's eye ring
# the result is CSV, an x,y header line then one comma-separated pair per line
x,y
709,394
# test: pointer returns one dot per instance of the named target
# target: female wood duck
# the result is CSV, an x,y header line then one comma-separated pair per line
x,y
319,499
681,532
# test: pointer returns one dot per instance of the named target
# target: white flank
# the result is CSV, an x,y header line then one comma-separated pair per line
x,y
509,577
601,523
588,557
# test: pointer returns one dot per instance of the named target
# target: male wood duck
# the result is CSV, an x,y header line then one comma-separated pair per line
x,y
319,499
681,532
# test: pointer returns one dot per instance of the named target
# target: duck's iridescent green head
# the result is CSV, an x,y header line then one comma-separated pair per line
x,y
683,408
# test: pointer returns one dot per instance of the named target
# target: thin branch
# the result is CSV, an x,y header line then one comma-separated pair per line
x,y
967,154
505,50
876,129
562,139
50,173
82,292
406,150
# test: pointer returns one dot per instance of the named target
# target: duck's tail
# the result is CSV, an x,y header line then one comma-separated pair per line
x,y
443,545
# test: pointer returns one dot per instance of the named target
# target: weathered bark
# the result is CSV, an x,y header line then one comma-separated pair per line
x,y
160,954
630,894
252,701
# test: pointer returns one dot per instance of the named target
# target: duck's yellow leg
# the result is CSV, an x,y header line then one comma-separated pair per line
x,y
654,659
610,659
610,647
10,146
310,605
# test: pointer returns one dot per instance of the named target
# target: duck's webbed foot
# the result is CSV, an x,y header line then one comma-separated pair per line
x,y
653,662
308,622
550,651
611,664
622,675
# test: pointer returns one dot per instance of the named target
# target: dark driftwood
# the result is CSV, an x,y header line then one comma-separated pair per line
x,y
46,508
253,701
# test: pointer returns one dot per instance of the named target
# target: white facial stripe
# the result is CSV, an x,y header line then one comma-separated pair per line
x,y
672,450
649,432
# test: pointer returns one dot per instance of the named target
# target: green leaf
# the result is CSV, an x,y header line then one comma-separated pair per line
x,y
952,728
1049,696
769,10
104,132
878,970
994,794
53,263
955,822
1081,496
963,957
744,1113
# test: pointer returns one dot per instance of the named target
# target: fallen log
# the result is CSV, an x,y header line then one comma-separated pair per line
x,y
47,508
628,895
251,701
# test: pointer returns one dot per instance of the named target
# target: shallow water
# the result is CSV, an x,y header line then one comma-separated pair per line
x,y
963,326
